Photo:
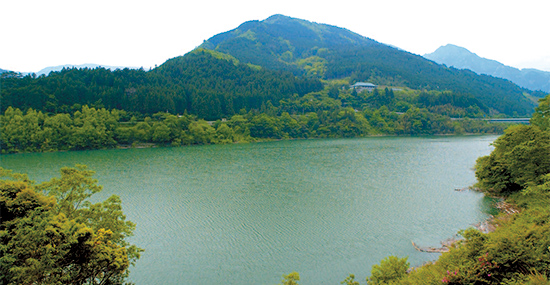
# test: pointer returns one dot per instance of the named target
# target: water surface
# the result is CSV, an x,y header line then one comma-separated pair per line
x,y
248,213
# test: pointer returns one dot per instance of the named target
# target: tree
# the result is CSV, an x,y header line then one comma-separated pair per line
x,y
291,278
541,117
390,269
58,236
521,157
350,280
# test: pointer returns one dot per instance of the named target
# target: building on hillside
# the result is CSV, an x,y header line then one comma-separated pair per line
x,y
362,86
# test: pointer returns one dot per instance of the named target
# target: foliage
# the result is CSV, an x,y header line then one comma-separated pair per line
x,y
314,115
291,279
350,280
205,83
541,117
60,237
521,157
390,271
80,109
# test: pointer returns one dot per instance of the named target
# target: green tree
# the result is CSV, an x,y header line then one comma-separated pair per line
x,y
61,237
291,279
350,280
390,270
521,157
264,126
541,117
201,132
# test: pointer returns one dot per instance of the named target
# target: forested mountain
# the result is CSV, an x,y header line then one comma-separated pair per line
x,y
328,52
462,58
201,83
280,42
2,71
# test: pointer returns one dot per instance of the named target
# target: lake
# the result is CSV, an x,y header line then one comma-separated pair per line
x,y
249,213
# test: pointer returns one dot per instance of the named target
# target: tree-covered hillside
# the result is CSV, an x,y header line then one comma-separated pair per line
x,y
280,42
201,83
328,52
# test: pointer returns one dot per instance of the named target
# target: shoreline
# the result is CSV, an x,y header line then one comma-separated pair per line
x,y
489,225
255,140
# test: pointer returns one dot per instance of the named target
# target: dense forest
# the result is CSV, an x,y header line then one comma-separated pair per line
x,y
331,112
200,83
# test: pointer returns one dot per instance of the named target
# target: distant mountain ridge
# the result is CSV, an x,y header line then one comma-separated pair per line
x,y
459,57
47,70
329,52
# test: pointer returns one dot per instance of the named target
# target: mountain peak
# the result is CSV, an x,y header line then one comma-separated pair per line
x,y
450,51
277,17
455,49
462,58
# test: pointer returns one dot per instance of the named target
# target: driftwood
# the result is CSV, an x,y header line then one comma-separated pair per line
x,y
444,248
469,188
507,208
485,227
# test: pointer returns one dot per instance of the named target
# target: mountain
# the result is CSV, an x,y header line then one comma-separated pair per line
x,y
462,58
281,42
47,70
328,52
3,70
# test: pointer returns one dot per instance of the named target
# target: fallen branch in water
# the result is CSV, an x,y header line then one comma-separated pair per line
x,y
444,248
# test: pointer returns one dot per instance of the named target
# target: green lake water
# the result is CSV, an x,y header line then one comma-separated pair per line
x,y
249,213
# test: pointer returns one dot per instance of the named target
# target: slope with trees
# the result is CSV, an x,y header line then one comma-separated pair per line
x,y
200,83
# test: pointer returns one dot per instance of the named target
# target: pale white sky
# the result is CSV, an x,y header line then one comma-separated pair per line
x,y
37,33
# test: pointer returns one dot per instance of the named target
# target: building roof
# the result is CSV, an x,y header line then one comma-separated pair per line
x,y
364,84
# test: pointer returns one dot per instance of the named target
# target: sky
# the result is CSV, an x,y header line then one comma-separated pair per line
x,y
38,34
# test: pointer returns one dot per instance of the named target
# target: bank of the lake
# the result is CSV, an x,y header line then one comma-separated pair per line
x,y
91,128
248,213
